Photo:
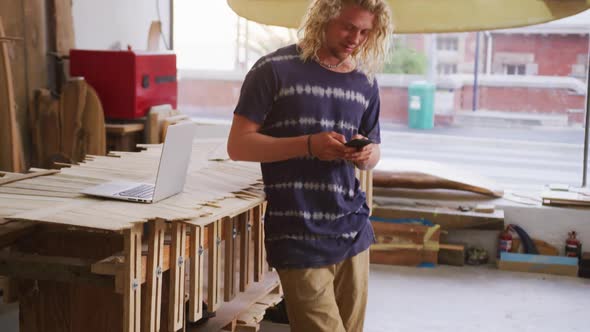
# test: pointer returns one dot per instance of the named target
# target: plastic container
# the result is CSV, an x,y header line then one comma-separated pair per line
x,y
421,105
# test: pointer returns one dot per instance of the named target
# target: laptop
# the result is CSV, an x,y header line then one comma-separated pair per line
x,y
171,175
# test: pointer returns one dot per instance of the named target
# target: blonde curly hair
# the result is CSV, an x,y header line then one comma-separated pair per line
x,y
371,55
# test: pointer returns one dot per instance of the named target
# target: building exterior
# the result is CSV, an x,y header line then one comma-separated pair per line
x,y
535,75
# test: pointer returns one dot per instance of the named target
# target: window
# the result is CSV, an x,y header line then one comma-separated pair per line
x,y
447,43
515,69
446,68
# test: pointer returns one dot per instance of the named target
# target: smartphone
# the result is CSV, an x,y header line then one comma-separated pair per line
x,y
358,143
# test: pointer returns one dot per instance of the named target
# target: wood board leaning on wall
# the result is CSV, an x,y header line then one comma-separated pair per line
x,y
65,130
11,151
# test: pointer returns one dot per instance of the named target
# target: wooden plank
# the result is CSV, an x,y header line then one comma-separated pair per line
x,y
155,261
35,44
229,282
231,326
14,159
10,39
230,311
405,244
45,121
115,264
245,242
213,290
451,254
132,275
39,267
123,128
258,230
153,42
196,273
177,283
62,20
445,217
21,177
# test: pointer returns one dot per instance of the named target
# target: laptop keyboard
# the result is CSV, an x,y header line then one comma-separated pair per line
x,y
141,191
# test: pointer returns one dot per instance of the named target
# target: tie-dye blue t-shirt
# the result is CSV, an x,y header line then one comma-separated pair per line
x,y
316,213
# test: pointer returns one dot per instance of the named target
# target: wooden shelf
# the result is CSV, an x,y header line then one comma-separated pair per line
x,y
229,311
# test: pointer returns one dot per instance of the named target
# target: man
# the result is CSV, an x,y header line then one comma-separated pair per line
x,y
297,108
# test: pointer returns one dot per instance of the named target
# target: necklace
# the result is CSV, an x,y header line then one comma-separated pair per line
x,y
327,65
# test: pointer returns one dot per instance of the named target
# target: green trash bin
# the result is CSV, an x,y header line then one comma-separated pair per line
x,y
421,105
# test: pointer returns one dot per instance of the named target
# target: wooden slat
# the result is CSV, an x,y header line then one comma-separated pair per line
x,y
132,275
155,269
21,177
258,243
213,290
245,242
177,283
196,273
230,233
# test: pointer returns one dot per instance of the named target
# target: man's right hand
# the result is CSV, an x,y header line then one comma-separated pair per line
x,y
329,145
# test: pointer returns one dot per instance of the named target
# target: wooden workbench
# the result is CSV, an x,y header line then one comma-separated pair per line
x,y
88,264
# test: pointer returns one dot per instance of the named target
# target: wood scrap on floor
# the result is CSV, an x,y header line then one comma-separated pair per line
x,y
422,174
451,254
411,243
559,265
446,217
572,197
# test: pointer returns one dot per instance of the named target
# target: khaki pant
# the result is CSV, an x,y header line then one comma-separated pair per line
x,y
331,298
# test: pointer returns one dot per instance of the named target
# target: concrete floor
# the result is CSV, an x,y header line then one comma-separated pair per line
x,y
482,299
456,299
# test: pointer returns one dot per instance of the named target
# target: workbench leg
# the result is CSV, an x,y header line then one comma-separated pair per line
x,y
155,262
214,239
369,190
258,243
196,273
245,241
132,275
177,267
230,233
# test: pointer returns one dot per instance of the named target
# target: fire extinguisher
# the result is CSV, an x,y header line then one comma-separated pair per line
x,y
505,241
573,246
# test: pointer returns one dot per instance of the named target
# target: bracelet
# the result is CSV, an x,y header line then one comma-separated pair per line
x,y
309,146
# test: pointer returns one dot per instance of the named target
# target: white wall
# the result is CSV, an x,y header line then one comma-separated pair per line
x,y
105,24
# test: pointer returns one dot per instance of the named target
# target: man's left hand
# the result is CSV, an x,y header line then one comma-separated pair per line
x,y
361,157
